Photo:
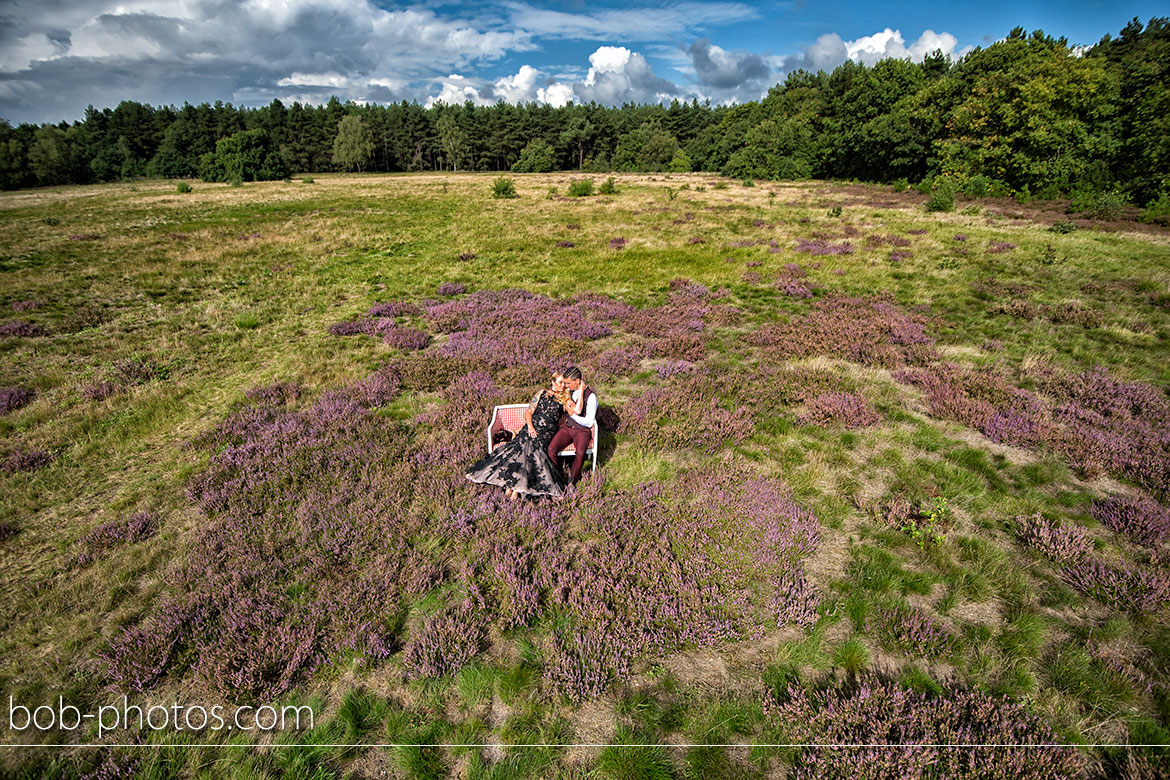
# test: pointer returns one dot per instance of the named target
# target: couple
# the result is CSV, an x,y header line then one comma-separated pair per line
x,y
557,416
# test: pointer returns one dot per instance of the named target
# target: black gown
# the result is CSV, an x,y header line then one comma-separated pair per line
x,y
523,463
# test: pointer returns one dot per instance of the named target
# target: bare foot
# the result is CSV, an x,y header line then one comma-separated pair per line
x,y
513,495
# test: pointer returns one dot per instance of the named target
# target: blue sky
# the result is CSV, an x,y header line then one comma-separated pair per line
x,y
58,56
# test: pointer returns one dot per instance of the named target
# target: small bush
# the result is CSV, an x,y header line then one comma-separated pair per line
x,y
1062,226
1143,519
608,187
719,185
941,199
835,212
184,187
580,188
1157,211
977,187
748,183
306,180
1098,205
503,187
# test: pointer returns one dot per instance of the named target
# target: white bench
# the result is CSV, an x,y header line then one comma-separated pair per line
x,y
510,417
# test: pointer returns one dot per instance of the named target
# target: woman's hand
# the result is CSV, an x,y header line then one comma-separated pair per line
x,y
531,430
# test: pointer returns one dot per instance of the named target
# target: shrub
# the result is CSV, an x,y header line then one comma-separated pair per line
x,y
13,398
1157,211
911,630
608,187
1063,226
448,289
941,198
1123,586
1148,522
504,187
868,710
1106,206
580,188
21,329
851,410
748,183
443,644
135,528
184,187
307,180
1064,545
25,460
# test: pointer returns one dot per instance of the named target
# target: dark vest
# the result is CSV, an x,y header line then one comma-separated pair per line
x,y
569,421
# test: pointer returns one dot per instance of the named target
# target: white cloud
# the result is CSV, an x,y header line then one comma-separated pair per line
x,y
647,23
889,44
618,75
520,88
315,80
456,91
830,50
74,52
556,95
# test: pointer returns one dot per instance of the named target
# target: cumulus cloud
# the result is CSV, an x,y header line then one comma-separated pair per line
x,y
830,50
724,70
59,56
616,75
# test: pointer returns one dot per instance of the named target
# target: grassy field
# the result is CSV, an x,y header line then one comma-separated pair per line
x,y
1006,381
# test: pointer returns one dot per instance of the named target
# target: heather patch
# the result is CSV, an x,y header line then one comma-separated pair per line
x,y
820,247
871,331
13,398
23,459
1063,544
1125,586
850,410
869,711
407,339
21,329
135,528
912,630
514,327
99,390
1146,521
688,412
318,518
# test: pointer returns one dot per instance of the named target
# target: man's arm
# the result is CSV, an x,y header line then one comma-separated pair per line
x,y
590,414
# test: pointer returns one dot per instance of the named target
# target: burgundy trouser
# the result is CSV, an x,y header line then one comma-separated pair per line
x,y
579,437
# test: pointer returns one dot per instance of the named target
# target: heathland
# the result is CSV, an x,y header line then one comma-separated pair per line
x,y
868,473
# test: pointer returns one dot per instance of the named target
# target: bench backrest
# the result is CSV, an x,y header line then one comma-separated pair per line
x,y
510,417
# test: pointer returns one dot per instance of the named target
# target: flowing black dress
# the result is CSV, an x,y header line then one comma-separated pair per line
x,y
523,463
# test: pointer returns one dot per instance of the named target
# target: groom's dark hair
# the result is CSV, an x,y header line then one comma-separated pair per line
x,y
572,372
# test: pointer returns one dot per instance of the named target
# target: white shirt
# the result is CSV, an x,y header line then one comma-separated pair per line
x,y
589,412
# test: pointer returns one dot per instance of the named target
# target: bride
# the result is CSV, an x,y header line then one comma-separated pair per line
x,y
522,466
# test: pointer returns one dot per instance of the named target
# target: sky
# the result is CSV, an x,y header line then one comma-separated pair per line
x,y
59,56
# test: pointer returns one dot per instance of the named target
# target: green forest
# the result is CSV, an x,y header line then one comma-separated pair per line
x,y
1030,116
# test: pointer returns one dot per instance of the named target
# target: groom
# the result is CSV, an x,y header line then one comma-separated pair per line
x,y
576,428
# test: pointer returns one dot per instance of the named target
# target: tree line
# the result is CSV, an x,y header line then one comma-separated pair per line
x,y
1029,116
